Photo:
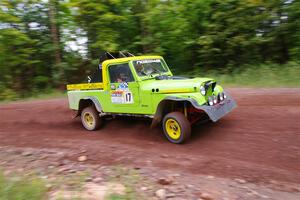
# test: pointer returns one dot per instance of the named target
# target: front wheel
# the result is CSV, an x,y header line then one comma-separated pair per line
x,y
90,118
176,127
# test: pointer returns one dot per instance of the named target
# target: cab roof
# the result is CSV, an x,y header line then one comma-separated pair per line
x,y
127,59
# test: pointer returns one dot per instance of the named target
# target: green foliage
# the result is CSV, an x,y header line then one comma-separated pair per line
x,y
222,35
8,94
21,188
263,75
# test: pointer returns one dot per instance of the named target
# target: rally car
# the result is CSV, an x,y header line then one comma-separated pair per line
x,y
144,86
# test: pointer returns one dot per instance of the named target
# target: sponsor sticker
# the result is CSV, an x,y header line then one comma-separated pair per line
x,y
122,95
148,61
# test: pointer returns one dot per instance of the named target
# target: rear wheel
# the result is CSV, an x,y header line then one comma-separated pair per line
x,y
90,118
176,127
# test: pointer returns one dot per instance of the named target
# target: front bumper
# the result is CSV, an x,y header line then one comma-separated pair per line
x,y
219,110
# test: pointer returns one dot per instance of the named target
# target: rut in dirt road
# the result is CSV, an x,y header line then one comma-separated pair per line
x,y
258,141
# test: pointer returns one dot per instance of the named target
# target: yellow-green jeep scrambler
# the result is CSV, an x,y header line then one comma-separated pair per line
x,y
144,86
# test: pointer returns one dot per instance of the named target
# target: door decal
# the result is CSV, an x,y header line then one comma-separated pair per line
x,y
122,95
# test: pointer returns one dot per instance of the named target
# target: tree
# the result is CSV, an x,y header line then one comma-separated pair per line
x,y
54,29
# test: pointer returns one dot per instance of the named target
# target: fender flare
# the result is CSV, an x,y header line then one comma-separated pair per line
x,y
95,102
214,112
159,110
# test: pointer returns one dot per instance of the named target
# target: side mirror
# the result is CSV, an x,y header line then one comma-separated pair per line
x,y
89,79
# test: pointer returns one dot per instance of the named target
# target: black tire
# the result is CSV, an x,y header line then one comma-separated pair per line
x,y
90,119
172,120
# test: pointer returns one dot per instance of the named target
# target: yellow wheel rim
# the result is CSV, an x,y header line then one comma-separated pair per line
x,y
88,119
173,129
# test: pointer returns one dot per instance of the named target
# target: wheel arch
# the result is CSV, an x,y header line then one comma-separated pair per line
x,y
162,108
88,101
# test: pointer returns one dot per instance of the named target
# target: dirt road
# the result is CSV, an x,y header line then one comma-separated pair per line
x,y
259,141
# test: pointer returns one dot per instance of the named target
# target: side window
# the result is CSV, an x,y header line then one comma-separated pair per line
x,y
97,75
120,73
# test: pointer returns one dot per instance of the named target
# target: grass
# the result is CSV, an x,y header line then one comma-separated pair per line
x,y
130,179
48,95
30,187
22,188
270,75
6,98
74,181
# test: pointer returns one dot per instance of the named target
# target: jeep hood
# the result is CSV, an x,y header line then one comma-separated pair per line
x,y
186,85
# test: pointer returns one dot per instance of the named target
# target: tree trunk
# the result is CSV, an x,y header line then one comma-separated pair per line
x,y
54,30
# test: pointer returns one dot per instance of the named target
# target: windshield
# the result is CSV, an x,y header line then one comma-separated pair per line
x,y
149,66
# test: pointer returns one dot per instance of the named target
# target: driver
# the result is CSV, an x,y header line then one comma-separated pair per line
x,y
122,78
140,69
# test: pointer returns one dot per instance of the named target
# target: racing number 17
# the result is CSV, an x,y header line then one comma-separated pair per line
x,y
128,97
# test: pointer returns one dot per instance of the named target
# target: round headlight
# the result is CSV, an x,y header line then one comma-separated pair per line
x,y
202,90
224,96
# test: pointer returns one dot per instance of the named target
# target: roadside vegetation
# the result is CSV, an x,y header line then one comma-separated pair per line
x,y
46,44
8,95
264,75
21,188
130,179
